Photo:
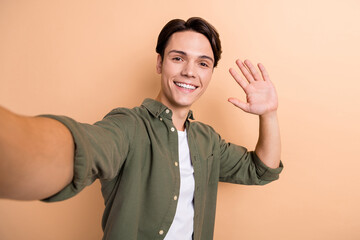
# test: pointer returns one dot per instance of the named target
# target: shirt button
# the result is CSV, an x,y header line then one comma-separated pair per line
x,y
167,110
161,232
160,119
175,197
176,164
172,129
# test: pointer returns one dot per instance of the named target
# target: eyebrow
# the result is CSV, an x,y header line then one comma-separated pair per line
x,y
185,54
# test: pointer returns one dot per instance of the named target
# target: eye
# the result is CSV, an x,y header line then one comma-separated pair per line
x,y
177,59
203,64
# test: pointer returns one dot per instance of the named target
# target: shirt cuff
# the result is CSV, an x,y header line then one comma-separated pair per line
x,y
82,167
264,172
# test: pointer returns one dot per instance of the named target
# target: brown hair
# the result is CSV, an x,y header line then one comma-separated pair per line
x,y
193,24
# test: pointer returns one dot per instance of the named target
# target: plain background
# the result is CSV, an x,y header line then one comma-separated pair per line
x,y
83,58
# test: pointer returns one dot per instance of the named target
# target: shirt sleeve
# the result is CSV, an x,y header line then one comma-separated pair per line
x,y
100,151
238,165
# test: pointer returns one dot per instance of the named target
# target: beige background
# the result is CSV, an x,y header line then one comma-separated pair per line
x,y
83,58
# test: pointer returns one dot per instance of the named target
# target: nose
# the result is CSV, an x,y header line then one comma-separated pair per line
x,y
188,70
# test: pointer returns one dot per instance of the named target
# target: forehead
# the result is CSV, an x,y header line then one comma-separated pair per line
x,y
193,43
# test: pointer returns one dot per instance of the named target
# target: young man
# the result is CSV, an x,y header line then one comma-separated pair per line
x,y
158,169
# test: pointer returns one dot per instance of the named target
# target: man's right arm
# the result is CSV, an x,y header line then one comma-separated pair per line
x,y
36,156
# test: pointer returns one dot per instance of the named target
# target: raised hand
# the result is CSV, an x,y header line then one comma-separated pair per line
x,y
261,97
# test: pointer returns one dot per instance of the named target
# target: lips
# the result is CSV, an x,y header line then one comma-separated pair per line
x,y
186,86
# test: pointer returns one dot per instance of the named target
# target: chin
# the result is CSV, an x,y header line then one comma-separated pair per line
x,y
183,103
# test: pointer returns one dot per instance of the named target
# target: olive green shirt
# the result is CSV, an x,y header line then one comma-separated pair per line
x,y
134,153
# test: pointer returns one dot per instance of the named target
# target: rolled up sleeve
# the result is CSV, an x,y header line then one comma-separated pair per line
x,y
100,151
238,165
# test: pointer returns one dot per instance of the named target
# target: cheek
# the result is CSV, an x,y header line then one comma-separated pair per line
x,y
206,77
170,69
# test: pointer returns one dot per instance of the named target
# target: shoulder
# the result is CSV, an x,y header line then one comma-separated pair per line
x,y
125,120
205,130
121,111
129,115
200,126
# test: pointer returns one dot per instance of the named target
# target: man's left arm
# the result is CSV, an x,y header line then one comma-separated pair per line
x,y
261,100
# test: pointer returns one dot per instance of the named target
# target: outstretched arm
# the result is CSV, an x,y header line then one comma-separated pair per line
x,y
36,156
261,99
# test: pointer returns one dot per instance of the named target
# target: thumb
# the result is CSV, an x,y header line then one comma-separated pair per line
x,y
242,105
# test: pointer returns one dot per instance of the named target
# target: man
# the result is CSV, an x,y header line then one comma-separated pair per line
x,y
159,170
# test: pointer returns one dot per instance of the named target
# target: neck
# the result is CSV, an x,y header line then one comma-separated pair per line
x,y
179,113
179,118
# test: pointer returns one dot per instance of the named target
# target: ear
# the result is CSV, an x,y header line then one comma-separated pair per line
x,y
159,64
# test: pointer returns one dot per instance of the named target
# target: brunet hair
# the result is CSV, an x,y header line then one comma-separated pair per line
x,y
192,24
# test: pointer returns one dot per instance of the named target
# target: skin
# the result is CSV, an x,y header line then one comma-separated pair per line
x,y
188,58
36,154
261,99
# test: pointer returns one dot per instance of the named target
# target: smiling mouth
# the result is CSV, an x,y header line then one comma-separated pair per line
x,y
185,86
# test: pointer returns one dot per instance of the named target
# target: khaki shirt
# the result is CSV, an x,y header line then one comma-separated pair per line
x,y
134,153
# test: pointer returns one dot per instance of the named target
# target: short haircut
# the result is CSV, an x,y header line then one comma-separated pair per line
x,y
196,24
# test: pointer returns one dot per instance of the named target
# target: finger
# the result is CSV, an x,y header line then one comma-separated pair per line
x,y
238,78
255,73
264,73
242,105
244,71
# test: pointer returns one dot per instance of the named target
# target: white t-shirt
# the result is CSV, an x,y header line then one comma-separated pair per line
x,y
183,225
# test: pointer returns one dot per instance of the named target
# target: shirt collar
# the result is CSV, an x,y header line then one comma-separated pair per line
x,y
157,108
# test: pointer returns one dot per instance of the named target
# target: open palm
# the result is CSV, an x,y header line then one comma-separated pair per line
x,y
261,97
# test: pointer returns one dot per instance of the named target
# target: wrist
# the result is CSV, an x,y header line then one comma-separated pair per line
x,y
269,115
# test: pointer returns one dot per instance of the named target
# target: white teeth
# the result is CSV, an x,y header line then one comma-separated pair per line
x,y
187,86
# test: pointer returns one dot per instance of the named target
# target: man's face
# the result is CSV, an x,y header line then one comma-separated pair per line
x,y
186,69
